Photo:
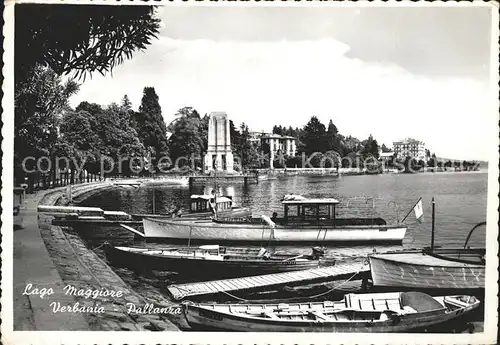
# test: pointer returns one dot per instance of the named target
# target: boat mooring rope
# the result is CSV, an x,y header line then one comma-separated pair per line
x,y
98,247
298,298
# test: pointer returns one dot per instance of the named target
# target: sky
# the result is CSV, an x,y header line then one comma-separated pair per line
x,y
393,72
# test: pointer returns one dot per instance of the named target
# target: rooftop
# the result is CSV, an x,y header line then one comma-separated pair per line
x,y
276,136
316,201
408,140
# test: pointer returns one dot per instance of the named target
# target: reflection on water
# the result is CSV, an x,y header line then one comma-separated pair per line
x,y
460,204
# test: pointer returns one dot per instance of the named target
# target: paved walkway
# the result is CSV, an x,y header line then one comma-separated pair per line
x,y
79,266
33,265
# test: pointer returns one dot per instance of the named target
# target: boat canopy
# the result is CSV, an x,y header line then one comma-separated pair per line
x,y
318,201
314,208
203,203
210,247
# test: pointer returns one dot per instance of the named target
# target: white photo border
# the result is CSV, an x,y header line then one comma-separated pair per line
x,y
11,337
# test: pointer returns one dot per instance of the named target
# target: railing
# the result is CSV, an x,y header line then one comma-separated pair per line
x,y
38,181
300,222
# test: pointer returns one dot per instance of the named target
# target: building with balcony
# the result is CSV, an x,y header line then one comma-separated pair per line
x,y
409,148
279,144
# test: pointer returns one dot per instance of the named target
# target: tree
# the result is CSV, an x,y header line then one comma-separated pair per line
x,y
92,132
125,103
187,139
151,127
370,148
427,153
236,138
92,38
39,102
332,138
203,130
80,141
350,144
385,148
279,130
314,136
248,153
80,39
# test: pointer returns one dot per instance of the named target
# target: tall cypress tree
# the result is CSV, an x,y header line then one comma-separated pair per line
x,y
150,124
314,136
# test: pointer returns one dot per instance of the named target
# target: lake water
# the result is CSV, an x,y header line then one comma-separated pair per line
x,y
460,204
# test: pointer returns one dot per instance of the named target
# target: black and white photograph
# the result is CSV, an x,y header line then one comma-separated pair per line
x,y
248,172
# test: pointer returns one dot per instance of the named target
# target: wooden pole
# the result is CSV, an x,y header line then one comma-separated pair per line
x,y
433,222
154,199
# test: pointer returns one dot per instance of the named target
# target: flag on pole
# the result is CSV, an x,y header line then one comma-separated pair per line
x,y
419,211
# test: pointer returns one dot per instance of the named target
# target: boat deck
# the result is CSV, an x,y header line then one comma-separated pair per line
x,y
341,271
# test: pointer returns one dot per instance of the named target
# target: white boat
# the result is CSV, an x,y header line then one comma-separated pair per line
x,y
202,207
359,313
431,267
313,222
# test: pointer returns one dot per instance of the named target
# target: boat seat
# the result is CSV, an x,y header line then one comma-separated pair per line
x,y
283,306
262,252
318,315
455,302
270,315
408,310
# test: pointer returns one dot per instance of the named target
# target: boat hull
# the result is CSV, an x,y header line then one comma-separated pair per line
x,y
417,270
380,318
211,231
228,323
200,267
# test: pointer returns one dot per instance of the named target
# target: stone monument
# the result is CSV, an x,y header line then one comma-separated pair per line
x,y
219,156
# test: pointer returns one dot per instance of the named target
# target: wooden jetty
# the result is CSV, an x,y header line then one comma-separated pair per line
x,y
75,215
340,271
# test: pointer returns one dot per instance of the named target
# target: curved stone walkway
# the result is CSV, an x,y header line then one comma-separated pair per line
x,y
45,256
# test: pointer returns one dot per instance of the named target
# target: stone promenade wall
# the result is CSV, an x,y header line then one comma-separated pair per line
x,y
82,269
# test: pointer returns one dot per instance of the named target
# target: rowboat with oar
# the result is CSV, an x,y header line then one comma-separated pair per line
x,y
211,260
305,220
360,313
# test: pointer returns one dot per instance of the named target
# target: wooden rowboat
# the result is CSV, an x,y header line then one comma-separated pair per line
x,y
363,313
210,261
431,268
425,269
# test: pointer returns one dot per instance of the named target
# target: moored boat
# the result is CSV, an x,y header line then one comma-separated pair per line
x,y
202,207
431,267
363,313
425,269
211,260
314,221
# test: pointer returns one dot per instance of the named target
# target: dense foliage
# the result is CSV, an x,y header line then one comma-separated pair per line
x,y
52,40
80,39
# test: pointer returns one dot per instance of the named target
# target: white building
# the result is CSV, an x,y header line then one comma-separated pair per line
x,y
278,143
409,148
